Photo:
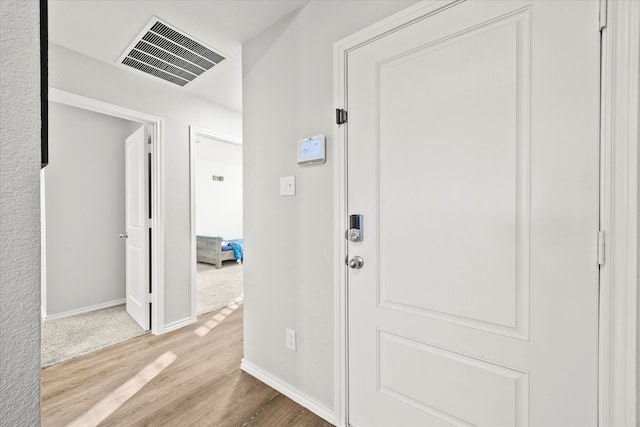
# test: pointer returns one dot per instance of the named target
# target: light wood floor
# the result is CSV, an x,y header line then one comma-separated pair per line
x,y
189,377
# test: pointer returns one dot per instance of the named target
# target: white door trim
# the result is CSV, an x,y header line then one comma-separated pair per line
x,y
619,214
619,194
157,188
193,133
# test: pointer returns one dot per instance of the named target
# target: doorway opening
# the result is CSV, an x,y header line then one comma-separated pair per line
x,y
87,277
217,242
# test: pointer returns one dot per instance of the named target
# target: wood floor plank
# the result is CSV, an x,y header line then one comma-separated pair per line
x,y
203,386
279,412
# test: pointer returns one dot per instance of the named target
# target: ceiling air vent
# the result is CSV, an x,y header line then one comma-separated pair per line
x,y
162,51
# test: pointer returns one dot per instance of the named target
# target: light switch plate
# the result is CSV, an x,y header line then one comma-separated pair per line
x,y
288,186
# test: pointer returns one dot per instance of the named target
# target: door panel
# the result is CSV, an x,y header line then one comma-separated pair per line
x,y
473,156
136,217
477,194
446,371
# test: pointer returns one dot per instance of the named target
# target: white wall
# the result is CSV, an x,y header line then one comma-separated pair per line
x,y
218,203
82,75
85,209
19,213
288,273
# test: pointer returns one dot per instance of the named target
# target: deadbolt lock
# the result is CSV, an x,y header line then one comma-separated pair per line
x,y
354,233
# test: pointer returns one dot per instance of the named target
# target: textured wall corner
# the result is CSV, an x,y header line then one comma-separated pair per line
x,y
19,213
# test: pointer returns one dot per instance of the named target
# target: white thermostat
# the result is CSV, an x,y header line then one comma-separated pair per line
x,y
311,150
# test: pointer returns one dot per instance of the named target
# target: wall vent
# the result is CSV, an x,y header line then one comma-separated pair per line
x,y
164,52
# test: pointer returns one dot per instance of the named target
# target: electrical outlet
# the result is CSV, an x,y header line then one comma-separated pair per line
x,y
291,339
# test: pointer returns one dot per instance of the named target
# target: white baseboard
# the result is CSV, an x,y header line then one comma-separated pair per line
x,y
82,310
289,391
179,324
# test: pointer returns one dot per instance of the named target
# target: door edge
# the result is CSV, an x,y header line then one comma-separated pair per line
x,y
620,210
341,49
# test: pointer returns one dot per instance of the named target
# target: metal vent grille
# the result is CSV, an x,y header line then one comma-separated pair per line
x,y
166,53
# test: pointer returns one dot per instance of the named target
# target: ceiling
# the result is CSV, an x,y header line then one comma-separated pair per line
x,y
103,29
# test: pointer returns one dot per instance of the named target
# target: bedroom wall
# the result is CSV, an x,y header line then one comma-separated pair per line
x,y
85,208
82,75
288,95
218,203
19,213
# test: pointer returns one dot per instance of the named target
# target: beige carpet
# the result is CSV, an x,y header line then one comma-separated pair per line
x,y
217,288
65,339
68,338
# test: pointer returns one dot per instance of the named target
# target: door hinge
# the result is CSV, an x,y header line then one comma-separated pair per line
x,y
149,222
601,248
148,298
341,116
603,14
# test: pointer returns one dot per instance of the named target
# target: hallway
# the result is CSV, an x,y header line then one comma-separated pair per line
x,y
188,377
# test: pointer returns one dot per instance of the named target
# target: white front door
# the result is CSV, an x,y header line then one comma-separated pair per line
x,y
473,158
137,229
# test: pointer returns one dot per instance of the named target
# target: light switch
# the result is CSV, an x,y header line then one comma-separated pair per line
x,y
288,186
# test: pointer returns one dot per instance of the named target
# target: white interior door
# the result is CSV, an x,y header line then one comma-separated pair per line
x,y
137,229
473,156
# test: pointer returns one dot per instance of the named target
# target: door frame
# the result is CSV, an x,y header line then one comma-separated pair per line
x,y
619,207
157,188
194,131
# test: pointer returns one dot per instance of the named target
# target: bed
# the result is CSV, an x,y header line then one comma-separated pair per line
x,y
211,250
